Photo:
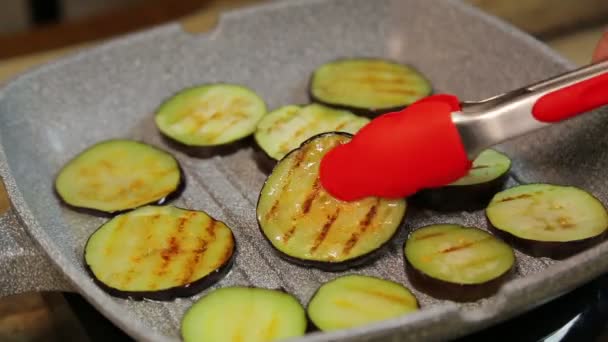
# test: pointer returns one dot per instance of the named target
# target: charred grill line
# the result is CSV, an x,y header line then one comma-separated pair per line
x,y
363,225
326,227
463,245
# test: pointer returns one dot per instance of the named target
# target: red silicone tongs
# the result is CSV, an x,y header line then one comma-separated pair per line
x,y
431,143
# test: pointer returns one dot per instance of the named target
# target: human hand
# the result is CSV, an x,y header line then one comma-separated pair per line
x,y
601,50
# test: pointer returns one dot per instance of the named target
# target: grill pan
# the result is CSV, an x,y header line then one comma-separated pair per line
x,y
50,114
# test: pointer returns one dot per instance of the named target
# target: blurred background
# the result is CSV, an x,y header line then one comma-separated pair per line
x,y
34,26
36,31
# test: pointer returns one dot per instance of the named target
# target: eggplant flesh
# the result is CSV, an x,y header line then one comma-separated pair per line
x,y
210,115
458,263
308,226
548,220
284,129
244,314
487,176
367,86
357,300
118,175
159,252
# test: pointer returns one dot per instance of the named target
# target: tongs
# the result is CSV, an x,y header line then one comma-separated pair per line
x,y
503,117
431,143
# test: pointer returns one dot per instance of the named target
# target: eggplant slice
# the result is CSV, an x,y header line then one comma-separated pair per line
x,y
548,220
286,128
487,176
159,252
309,227
458,263
118,175
368,86
210,114
356,300
244,314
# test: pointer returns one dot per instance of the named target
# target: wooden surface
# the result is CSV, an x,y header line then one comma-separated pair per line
x,y
46,317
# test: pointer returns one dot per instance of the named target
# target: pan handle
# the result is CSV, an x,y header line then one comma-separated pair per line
x,y
23,266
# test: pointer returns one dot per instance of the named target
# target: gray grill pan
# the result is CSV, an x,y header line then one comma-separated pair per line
x,y
50,114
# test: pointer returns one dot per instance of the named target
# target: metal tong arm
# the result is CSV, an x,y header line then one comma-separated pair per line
x,y
506,116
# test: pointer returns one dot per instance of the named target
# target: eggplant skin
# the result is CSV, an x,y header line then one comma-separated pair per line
x,y
460,197
206,152
367,112
94,212
341,266
187,290
181,186
549,249
455,292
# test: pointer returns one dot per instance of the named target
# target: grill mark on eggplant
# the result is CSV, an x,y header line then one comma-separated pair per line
x,y
512,198
362,228
325,231
298,159
201,120
191,265
428,236
342,125
132,270
288,234
284,147
167,254
314,192
464,245
386,296
173,249
219,132
198,253
282,121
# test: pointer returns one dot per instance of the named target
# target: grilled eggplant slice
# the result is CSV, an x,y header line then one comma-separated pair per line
x,y
159,252
488,175
308,226
368,86
548,220
356,300
244,314
286,128
118,175
210,115
459,263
